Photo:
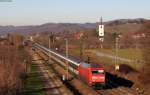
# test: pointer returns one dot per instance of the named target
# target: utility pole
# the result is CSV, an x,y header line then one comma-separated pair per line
x,y
101,32
88,60
116,53
49,45
25,62
136,43
67,64
81,49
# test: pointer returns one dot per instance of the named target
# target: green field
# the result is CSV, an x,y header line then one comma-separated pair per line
x,y
34,84
132,54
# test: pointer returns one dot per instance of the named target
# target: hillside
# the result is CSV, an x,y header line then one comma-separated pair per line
x,y
122,25
123,28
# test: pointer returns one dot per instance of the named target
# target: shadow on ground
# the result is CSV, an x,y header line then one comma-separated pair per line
x,y
113,81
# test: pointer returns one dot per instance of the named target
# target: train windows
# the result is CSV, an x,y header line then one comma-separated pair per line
x,y
97,71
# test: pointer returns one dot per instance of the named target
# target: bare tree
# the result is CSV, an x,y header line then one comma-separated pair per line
x,y
11,77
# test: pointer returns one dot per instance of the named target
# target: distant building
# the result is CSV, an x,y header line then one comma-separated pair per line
x,y
4,41
58,38
138,35
3,36
78,35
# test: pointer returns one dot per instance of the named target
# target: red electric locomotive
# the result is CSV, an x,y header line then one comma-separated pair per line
x,y
92,74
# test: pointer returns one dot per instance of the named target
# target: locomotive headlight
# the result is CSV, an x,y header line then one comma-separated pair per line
x,y
101,77
100,71
94,77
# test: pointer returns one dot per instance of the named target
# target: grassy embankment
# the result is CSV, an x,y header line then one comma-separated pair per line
x,y
132,54
34,84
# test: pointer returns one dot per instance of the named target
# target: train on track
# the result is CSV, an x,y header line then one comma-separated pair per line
x,y
92,74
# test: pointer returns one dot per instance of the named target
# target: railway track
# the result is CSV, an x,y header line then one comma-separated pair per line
x,y
52,84
76,86
114,89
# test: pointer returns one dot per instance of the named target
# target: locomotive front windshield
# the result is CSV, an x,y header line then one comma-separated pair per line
x,y
97,71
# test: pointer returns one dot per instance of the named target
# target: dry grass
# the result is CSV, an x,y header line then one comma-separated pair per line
x,y
12,70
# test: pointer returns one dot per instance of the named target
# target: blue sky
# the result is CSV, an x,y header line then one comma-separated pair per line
x,y
28,12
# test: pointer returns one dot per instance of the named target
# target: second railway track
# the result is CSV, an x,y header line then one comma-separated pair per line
x,y
52,84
